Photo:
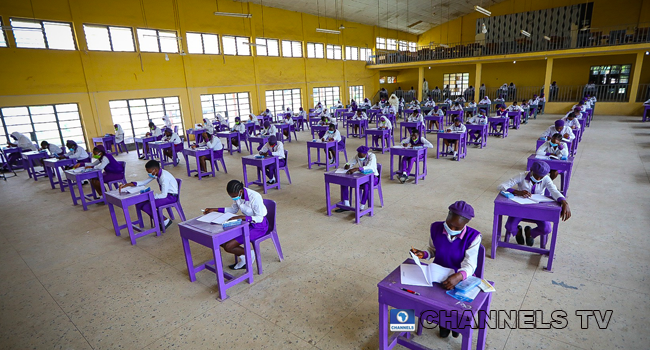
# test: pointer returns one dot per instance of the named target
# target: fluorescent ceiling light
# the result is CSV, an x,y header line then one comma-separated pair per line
x,y
254,44
484,29
233,14
328,31
482,10
547,38
525,33
444,45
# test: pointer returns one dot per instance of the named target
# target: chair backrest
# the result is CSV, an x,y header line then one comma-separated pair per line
x,y
286,158
179,182
270,214
123,166
480,260
379,171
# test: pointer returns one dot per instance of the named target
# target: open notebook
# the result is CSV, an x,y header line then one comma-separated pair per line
x,y
534,199
216,218
423,275
135,189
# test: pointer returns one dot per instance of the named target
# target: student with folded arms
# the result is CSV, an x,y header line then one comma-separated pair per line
x,y
273,148
554,149
364,160
559,126
454,245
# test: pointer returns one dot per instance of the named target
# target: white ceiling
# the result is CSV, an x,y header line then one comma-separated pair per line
x,y
391,14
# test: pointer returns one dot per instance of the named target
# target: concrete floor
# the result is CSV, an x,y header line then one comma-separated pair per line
x,y
67,282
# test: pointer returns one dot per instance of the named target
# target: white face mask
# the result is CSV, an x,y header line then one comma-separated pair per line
x,y
534,180
450,231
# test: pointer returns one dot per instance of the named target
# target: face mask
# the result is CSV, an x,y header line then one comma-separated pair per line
x,y
96,156
236,198
331,131
237,123
534,180
152,176
151,128
450,231
553,144
362,159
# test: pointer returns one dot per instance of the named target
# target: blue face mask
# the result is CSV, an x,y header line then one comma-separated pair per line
x,y
331,131
534,180
362,159
450,231
152,176
553,144
236,198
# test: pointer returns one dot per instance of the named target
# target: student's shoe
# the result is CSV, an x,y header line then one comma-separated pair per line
x,y
455,334
85,182
455,155
332,161
519,237
529,240
141,157
271,182
241,264
346,203
196,175
362,206
339,210
403,178
444,332
168,222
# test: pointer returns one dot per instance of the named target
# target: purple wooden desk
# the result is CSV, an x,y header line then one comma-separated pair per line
x,y
437,118
338,112
646,112
213,236
361,123
381,134
409,126
566,166
124,200
495,123
390,117
583,128
228,135
196,153
373,114
52,166
77,178
261,164
313,120
281,128
460,137
477,134
252,128
485,107
142,142
30,160
300,122
547,211
345,117
318,129
354,182
261,140
451,115
515,118
157,149
324,146
198,135
590,113
401,151
432,301
107,141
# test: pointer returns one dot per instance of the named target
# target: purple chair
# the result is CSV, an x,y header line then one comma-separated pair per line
x,y
122,180
478,273
381,195
216,158
4,162
342,148
121,147
272,233
169,207
286,165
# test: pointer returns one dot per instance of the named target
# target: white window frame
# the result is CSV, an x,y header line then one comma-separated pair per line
x,y
366,52
462,77
291,48
151,107
264,50
110,37
229,104
278,100
313,52
327,95
4,42
380,43
391,44
402,45
43,30
356,92
333,52
203,36
351,53
167,34
413,46
241,45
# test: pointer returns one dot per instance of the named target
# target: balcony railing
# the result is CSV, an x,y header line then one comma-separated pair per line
x,y
603,93
644,93
592,37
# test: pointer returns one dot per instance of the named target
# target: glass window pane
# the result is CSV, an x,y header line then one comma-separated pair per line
x,y
168,42
320,51
311,51
148,40
242,46
229,46
97,38
194,43
211,44
28,34
59,36
296,47
273,47
286,48
3,43
260,49
122,39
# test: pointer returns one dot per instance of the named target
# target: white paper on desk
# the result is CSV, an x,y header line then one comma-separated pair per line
x,y
215,218
423,275
340,171
135,189
78,170
522,200
540,198
541,157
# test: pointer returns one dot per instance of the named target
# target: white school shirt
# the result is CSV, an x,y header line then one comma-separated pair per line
x,y
439,113
428,103
240,128
253,207
119,134
363,116
470,261
523,183
167,181
369,163
318,110
385,123
471,104
646,102
485,101
277,150
459,129
99,164
288,121
582,108
417,118
593,99
566,130
54,149
208,127
302,113
388,110
168,122
500,100
222,119
562,150
271,130
175,139
215,144
460,100
478,120
447,101
156,132
23,141
78,153
405,142
456,108
571,123
336,136
533,102
514,108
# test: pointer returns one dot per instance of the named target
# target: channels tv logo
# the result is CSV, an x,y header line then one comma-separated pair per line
x,y
402,320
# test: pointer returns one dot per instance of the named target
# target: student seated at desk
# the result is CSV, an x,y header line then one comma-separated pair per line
x,y
536,181
332,135
416,117
154,132
210,142
75,152
479,119
454,245
176,141
289,121
554,149
389,109
461,101
572,121
113,170
53,150
541,103
252,206
168,189
485,101
502,111
21,141
207,125
364,160
266,113
429,102
456,127
456,107
360,115
415,104
241,129
167,122
500,100
435,111
119,134
580,105
559,126
471,104
338,104
273,148
384,124
269,129
447,101
223,121
646,103
407,162
515,108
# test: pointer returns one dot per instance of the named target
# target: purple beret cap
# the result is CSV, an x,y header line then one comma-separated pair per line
x,y
363,149
559,123
540,168
463,209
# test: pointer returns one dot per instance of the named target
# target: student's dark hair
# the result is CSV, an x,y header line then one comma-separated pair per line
x,y
234,186
97,149
44,143
557,135
152,164
415,131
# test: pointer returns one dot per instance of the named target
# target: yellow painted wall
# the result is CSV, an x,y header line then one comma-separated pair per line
x,y
93,78
522,73
605,13
575,71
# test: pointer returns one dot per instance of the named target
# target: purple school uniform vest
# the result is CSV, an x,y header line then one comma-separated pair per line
x,y
113,166
451,254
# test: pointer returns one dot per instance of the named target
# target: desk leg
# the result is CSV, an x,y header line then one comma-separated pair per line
x,y
482,331
383,326
111,210
129,224
277,171
155,218
82,196
392,172
50,175
188,259
218,266
327,198
309,157
551,251
71,188
496,232
261,177
60,179
438,148
357,204
245,175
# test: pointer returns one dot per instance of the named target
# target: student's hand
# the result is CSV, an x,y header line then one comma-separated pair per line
x,y
347,166
126,185
193,146
210,210
352,171
565,214
452,280
89,167
76,166
418,253
566,136
243,217
524,194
